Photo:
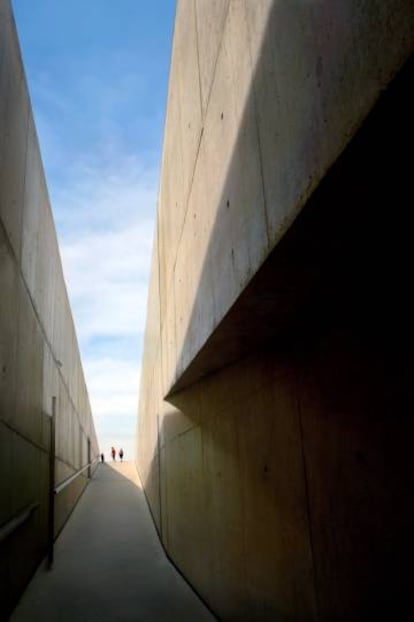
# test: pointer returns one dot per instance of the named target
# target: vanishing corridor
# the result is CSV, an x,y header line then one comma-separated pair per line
x,y
109,564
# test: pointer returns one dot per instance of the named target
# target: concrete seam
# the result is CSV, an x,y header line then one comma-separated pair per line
x,y
181,434
242,510
218,55
159,472
198,58
22,79
201,133
176,377
194,167
162,162
174,311
159,284
29,114
306,484
168,556
165,514
187,200
256,121
37,316
66,463
23,436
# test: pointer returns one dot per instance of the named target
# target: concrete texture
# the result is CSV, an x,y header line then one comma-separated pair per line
x,y
109,563
39,356
284,101
275,402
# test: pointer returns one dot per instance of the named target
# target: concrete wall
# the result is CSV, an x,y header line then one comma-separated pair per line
x,y
275,416
39,355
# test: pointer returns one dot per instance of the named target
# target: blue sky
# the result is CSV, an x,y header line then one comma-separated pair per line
x,y
98,74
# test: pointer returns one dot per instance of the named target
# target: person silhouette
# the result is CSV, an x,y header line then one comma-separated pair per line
x,y
113,453
121,454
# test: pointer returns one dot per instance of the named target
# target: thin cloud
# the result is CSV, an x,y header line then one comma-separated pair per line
x,y
107,191
106,230
106,222
99,109
113,386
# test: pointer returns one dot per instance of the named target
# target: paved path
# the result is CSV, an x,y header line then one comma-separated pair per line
x,y
109,564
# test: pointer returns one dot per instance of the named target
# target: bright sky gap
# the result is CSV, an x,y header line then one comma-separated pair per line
x,y
98,85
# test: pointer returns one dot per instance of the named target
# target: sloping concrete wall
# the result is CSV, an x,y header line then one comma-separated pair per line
x,y
39,356
274,434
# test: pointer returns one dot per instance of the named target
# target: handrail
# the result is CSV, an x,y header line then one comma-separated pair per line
x,y
18,520
70,479
55,490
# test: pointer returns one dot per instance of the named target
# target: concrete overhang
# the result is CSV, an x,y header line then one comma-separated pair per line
x,y
339,247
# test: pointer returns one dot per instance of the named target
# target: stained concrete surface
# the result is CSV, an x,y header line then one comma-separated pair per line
x,y
109,564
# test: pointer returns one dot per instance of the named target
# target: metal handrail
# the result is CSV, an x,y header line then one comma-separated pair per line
x,y
55,490
70,479
15,522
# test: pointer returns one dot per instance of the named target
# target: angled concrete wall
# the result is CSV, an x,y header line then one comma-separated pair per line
x,y
39,356
275,416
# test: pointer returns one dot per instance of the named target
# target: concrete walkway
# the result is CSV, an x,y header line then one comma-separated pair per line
x,y
109,564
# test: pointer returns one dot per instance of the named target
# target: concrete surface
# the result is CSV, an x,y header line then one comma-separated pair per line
x,y
252,126
39,355
275,404
109,564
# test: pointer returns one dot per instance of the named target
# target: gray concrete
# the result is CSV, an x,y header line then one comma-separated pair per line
x,y
276,384
39,355
109,564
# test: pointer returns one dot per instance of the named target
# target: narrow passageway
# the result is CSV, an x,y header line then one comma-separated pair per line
x,y
109,564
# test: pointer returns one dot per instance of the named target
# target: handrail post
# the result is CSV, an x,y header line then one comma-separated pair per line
x,y
89,459
51,534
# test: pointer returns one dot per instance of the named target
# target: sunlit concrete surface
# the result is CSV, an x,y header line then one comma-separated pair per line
x,y
109,564
275,428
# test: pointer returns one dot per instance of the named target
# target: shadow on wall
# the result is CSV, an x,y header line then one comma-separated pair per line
x,y
234,502
286,477
109,530
304,104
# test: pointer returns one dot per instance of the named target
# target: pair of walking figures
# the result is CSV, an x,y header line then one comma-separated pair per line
x,y
120,453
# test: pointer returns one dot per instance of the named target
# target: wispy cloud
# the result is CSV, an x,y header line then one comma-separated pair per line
x,y
113,386
106,233
105,190
106,221
98,89
104,203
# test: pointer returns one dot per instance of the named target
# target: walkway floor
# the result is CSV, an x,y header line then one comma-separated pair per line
x,y
109,564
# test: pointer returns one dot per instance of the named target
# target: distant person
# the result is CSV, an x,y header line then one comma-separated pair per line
x,y
102,458
121,454
113,453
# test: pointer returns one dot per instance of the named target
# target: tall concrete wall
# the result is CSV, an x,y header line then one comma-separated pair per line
x,y
39,356
275,416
